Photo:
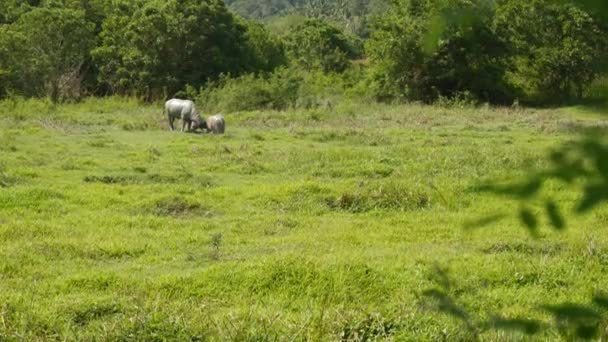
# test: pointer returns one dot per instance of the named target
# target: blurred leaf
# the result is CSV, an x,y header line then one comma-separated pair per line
x,y
586,331
442,278
573,312
529,220
601,300
598,153
530,189
594,194
555,217
447,304
522,191
526,326
432,39
483,222
558,157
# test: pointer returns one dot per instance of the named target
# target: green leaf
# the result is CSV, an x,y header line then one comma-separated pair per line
x,y
526,326
555,217
594,194
601,300
574,313
529,220
483,222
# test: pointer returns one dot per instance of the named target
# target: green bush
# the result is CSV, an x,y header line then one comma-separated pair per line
x,y
250,92
42,52
154,48
282,89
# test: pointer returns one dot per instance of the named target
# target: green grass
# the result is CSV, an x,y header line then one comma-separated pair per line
x,y
305,225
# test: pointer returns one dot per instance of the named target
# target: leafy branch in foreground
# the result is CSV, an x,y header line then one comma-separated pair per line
x,y
583,163
572,320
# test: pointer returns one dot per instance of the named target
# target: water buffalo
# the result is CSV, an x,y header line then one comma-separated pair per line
x,y
185,110
216,124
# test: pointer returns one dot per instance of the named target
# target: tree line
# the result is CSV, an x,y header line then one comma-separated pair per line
x,y
497,51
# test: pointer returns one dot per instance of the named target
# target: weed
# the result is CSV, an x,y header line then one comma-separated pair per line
x,y
87,314
372,328
384,197
153,153
6,180
177,207
216,243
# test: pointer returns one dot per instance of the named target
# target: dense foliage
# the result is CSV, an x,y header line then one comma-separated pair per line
x,y
560,56
44,50
150,45
315,44
352,15
539,51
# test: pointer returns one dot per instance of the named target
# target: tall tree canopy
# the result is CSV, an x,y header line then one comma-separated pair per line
x,y
540,50
558,49
422,49
43,52
315,44
148,46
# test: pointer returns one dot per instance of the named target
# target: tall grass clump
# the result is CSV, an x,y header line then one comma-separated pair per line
x,y
6,179
20,108
388,196
176,206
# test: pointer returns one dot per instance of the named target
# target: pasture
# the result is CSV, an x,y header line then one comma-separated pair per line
x,y
297,225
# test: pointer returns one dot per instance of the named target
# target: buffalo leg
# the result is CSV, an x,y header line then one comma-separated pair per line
x,y
171,123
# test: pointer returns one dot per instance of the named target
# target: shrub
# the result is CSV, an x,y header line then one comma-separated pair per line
x,y
282,89
386,196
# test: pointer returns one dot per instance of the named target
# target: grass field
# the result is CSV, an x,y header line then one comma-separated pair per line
x,y
302,225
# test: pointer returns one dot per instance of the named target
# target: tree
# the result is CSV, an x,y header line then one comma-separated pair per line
x,y
265,48
559,47
315,44
42,53
11,10
415,54
149,47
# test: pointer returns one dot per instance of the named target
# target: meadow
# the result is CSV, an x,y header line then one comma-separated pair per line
x,y
321,224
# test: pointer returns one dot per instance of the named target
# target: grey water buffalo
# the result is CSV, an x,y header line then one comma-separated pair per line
x,y
215,124
185,110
